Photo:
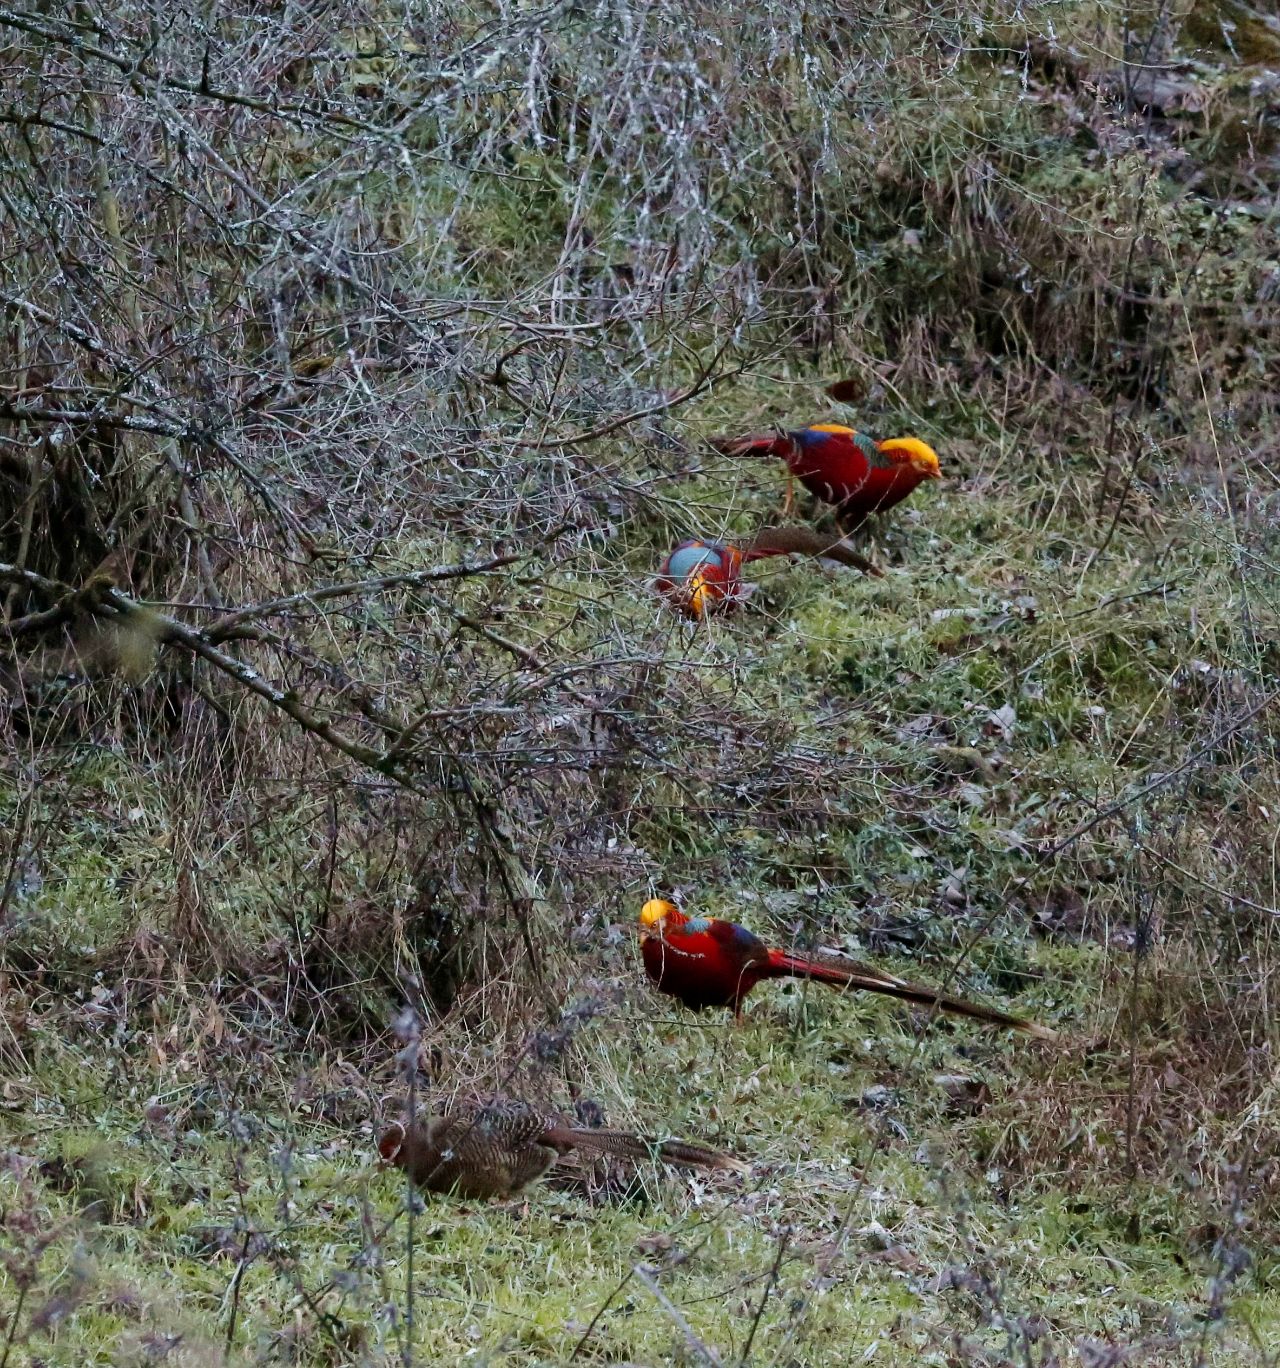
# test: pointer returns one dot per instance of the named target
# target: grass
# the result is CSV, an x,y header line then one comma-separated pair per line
x,y
898,1219
1035,760
935,1234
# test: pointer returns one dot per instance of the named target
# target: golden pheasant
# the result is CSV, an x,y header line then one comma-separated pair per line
x,y
844,467
496,1147
706,962
701,573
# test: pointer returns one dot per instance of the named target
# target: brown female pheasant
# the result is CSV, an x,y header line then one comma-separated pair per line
x,y
495,1148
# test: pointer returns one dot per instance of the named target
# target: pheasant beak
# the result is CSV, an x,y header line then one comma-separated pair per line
x,y
653,914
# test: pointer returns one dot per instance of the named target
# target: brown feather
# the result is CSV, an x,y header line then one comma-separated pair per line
x,y
627,1145
851,973
495,1148
782,541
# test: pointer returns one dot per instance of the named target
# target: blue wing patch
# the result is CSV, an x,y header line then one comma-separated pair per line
x,y
810,437
687,559
744,937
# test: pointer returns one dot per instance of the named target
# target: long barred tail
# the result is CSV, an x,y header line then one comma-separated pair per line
x,y
757,444
627,1145
804,541
849,973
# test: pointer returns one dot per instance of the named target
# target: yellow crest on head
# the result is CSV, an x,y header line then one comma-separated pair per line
x,y
655,910
913,452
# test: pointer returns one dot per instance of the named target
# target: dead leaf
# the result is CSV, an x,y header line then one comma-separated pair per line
x,y
965,1096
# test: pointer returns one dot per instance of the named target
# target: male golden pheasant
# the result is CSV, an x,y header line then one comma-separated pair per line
x,y
702,573
496,1147
844,467
706,962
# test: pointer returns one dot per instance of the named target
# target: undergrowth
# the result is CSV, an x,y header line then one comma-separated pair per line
x,y
354,298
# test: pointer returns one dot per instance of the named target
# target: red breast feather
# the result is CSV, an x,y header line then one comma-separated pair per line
x,y
705,962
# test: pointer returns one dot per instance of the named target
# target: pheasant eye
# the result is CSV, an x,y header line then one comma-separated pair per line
x,y
687,559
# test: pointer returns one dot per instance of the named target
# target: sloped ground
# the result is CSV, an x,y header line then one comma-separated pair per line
x,y
1036,760
183,1131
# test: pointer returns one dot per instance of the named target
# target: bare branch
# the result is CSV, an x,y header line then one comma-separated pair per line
x,y
377,584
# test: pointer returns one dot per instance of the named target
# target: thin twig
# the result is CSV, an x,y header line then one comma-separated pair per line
x,y
703,1351
13,1324
241,1264
707,380
376,584
1161,781
783,1240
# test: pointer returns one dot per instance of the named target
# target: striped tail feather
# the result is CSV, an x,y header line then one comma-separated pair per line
x,y
755,444
805,541
851,974
627,1145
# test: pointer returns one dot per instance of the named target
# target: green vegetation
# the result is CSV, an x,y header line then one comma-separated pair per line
x,y
423,288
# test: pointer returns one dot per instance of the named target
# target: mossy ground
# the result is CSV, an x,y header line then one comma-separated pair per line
x,y
1034,760
879,1220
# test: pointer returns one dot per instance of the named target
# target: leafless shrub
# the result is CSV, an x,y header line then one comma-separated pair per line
x,y
345,360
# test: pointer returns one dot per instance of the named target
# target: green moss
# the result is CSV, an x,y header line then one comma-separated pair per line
x,y
195,1054
1232,27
